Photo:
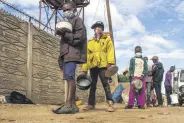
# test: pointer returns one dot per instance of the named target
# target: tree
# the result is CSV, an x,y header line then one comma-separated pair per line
x,y
122,78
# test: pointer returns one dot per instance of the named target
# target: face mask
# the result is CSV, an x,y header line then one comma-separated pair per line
x,y
138,54
68,14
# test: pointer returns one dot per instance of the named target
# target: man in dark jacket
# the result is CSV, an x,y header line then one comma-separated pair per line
x,y
157,72
73,51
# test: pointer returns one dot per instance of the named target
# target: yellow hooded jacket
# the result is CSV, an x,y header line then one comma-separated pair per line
x,y
99,53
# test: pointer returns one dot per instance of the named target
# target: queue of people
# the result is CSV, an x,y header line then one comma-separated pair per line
x,y
152,83
97,56
151,77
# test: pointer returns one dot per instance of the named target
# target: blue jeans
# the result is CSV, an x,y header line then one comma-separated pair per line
x,y
69,69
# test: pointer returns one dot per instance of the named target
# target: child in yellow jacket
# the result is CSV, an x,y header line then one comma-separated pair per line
x,y
100,56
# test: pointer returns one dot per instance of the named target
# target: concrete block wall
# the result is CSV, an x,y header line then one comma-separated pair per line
x,y
28,63
13,54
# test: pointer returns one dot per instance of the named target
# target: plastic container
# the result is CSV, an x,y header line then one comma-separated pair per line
x,y
174,99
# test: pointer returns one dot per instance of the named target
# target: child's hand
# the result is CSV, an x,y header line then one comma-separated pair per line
x,y
84,73
133,78
61,69
142,77
108,66
60,32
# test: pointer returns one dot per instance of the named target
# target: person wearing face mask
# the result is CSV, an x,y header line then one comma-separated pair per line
x,y
157,73
138,70
73,51
100,57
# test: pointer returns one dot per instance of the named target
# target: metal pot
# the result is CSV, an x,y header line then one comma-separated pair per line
x,y
137,85
84,82
64,25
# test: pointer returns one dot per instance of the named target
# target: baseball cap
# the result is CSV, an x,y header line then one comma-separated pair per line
x,y
154,57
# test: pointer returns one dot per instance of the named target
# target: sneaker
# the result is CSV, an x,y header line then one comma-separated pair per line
x,y
141,107
65,110
128,107
88,107
149,105
159,106
55,110
111,107
76,109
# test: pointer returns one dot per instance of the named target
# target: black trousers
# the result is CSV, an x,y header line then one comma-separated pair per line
x,y
95,72
168,90
157,86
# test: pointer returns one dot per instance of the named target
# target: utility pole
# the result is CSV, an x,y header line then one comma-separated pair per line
x,y
110,22
114,78
109,19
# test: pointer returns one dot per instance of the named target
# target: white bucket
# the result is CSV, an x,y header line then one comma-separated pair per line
x,y
174,99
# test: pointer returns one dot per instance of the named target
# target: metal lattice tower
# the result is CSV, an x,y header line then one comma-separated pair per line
x,y
52,9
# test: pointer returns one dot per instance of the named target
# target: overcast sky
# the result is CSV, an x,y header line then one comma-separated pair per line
x,y
156,25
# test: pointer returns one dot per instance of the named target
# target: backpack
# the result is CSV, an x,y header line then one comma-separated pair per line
x,y
18,98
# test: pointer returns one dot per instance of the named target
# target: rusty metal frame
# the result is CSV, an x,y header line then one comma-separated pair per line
x,y
24,14
56,12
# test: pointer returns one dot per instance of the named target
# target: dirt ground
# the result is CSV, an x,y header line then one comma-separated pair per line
x,y
42,114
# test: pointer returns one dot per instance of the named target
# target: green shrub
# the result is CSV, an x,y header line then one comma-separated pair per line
x,y
122,78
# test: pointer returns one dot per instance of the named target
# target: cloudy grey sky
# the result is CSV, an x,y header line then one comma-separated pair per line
x,y
156,25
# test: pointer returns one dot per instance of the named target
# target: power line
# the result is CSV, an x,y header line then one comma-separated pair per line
x,y
96,11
